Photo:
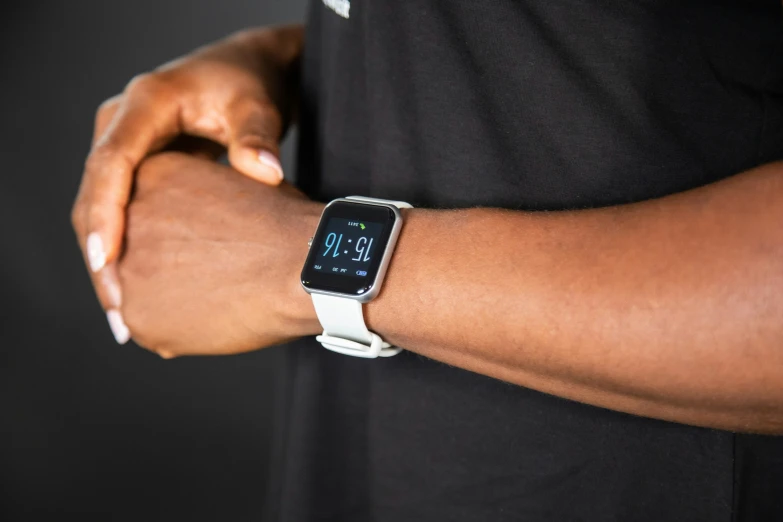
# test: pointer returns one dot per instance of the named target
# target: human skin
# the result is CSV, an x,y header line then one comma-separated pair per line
x,y
668,308
212,258
235,93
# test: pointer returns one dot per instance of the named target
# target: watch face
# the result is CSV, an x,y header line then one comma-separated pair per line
x,y
348,248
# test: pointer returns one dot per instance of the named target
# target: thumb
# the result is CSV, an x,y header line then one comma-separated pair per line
x,y
255,130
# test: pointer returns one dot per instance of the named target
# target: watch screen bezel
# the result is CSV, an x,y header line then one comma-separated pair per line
x,y
314,281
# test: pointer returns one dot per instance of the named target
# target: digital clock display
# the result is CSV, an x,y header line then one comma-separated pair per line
x,y
348,247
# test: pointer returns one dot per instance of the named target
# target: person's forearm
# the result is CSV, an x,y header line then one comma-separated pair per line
x,y
670,308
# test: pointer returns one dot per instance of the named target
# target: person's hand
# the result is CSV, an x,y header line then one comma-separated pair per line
x,y
236,93
212,259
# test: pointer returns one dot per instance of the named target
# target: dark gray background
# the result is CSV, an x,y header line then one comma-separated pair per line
x,y
89,427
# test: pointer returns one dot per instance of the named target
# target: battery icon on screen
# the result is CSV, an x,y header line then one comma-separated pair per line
x,y
361,273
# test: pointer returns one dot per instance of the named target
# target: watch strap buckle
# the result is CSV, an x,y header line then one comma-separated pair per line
x,y
377,347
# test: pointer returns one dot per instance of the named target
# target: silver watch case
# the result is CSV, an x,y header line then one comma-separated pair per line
x,y
388,251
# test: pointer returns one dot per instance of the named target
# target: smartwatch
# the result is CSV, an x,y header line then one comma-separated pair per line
x,y
345,267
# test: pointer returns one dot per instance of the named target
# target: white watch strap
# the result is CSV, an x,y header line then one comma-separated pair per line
x,y
398,204
345,331
343,319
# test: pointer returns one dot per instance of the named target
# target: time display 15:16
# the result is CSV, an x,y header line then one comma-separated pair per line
x,y
348,246
362,247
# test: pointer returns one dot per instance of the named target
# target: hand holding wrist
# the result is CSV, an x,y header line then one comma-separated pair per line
x,y
240,93
213,258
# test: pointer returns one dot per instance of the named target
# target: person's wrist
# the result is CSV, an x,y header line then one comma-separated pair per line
x,y
299,309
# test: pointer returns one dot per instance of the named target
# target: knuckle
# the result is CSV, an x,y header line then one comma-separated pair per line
x,y
104,114
97,157
268,112
152,343
260,128
97,214
268,123
141,339
145,324
254,140
142,82
150,335
137,323
167,349
106,155
107,106
146,85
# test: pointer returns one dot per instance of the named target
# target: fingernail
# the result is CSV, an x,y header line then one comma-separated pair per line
x,y
115,294
117,325
95,252
269,159
108,278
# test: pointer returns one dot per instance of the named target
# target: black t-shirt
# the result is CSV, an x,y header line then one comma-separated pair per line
x,y
532,105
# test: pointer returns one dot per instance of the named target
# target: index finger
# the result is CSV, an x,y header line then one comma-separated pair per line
x,y
104,116
136,129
